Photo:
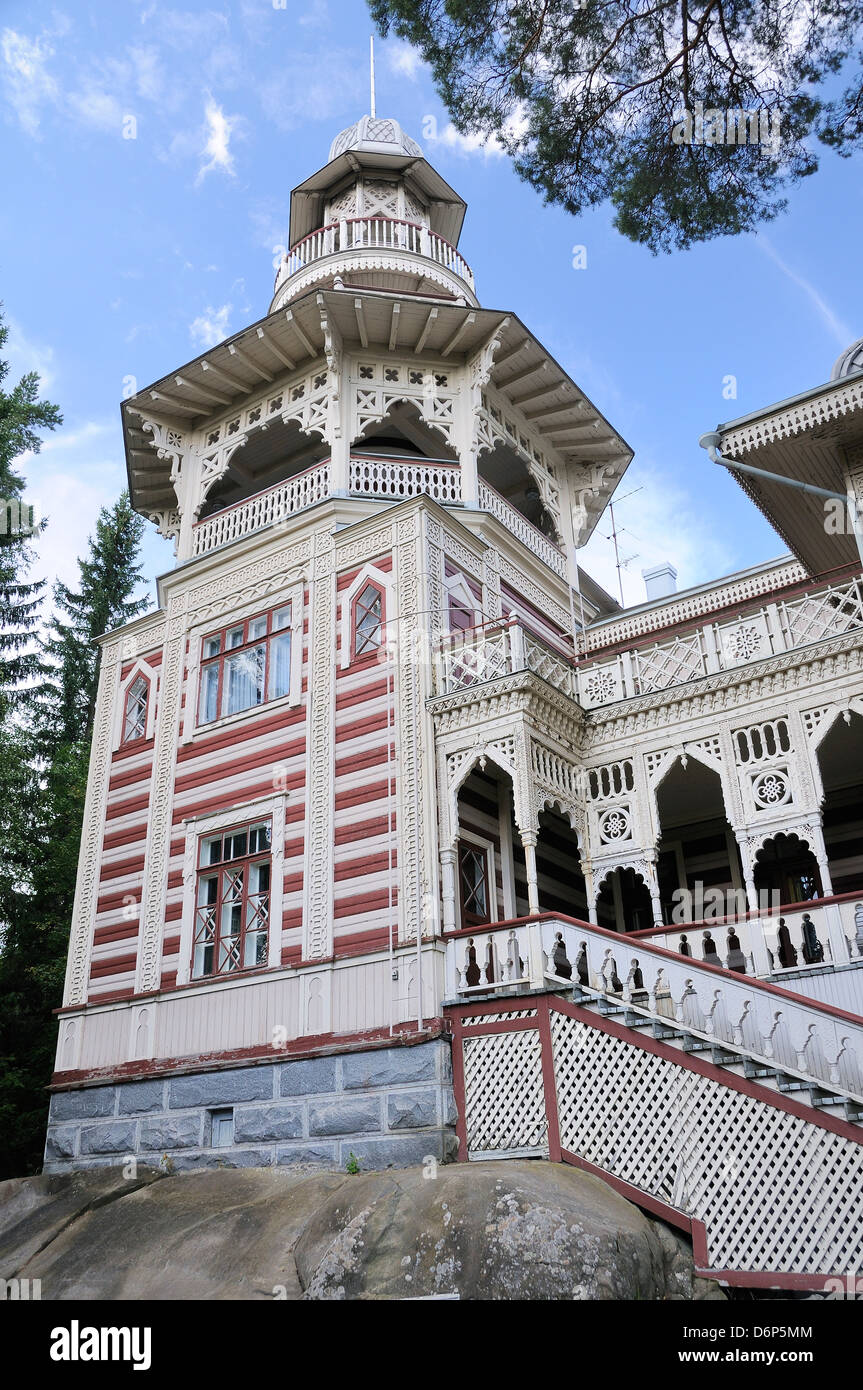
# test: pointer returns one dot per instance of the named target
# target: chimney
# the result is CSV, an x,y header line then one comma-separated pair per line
x,y
660,581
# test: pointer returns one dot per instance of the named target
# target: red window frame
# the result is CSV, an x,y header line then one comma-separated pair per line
x,y
133,738
248,644
458,607
471,918
371,650
211,913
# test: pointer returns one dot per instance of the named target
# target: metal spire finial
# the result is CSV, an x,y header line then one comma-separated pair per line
x,y
372,70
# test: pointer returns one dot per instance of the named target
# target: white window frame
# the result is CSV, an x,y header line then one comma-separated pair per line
x,y
369,574
295,596
150,674
478,842
198,828
457,587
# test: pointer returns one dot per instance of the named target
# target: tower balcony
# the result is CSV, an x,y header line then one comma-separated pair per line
x,y
376,477
385,249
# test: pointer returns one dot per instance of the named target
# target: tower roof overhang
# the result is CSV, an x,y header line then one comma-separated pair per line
x,y
228,377
446,208
811,438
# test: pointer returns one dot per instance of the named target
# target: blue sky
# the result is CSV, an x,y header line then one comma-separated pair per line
x,y
125,257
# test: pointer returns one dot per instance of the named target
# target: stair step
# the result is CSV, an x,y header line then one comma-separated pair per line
x,y
754,1070
692,1044
665,1030
791,1083
720,1058
610,1008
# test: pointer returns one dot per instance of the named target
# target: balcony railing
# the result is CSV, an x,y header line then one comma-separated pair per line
x,y
264,509
708,648
381,477
497,649
375,233
490,500
791,1032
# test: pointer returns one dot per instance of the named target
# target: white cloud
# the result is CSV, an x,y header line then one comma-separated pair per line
x,y
317,17
660,522
403,59
211,326
148,72
28,84
23,355
834,325
219,128
450,138
97,108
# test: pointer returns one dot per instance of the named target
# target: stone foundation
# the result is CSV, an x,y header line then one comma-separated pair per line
x,y
389,1107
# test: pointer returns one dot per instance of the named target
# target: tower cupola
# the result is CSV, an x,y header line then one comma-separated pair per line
x,y
378,217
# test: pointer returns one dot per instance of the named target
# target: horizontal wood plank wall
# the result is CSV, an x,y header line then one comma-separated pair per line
x,y
114,948
365,900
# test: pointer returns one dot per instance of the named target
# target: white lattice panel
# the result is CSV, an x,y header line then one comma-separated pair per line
x,y
504,1098
474,1020
774,1191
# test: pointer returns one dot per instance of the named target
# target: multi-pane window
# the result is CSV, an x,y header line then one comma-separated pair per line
x,y
474,884
135,717
245,665
368,620
232,904
460,616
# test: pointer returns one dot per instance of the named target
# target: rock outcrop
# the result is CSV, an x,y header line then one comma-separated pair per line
x,y
510,1230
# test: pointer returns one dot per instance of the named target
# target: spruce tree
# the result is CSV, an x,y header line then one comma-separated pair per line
x,y
37,879
22,416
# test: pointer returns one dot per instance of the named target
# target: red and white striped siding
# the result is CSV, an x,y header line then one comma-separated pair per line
x,y
365,887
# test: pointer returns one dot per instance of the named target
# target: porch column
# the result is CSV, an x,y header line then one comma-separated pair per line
x,y
653,890
819,849
528,840
747,860
447,864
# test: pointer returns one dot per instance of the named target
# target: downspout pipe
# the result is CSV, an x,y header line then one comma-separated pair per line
x,y
713,439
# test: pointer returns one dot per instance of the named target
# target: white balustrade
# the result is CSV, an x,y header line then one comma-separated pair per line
x,y
264,509
494,649
760,632
384,477
490,500
384,233
793,1034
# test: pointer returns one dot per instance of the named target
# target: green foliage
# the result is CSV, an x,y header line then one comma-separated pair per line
x,y
47,704
586,96
22,415
104,599
352,1166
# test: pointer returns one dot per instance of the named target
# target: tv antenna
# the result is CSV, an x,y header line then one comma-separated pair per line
x,y
619,564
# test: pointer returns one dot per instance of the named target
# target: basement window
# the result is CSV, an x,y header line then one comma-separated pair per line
x,y
221,1128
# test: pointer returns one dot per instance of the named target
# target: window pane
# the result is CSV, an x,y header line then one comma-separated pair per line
x,y
282,619
244,680
460,617
259,838
257,628
208,889
280,665
212,646
236,845
208,706
234,638
369,617
136,710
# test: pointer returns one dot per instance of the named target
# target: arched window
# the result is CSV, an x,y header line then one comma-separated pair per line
x,y
368,620
135,717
